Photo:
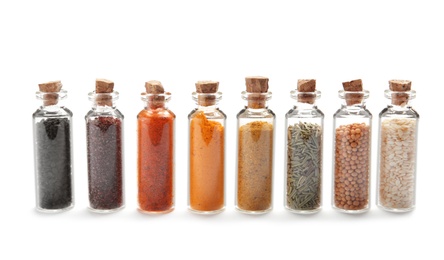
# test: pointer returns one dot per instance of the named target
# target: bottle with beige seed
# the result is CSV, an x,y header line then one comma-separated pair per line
x,y
255,126
397,146
352,150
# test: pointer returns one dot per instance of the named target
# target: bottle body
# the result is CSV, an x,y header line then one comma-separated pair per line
x,y
206,160
155,159
397,145
104,137
52,128
255,152
352,158
303,159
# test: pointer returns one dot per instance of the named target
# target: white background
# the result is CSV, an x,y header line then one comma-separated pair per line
x,y
179,43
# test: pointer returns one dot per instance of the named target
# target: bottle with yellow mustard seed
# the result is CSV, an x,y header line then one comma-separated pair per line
x,y
352,150
397,146
255,136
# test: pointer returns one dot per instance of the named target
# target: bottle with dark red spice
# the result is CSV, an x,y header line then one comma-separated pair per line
x,y
104,136
155,124
52,130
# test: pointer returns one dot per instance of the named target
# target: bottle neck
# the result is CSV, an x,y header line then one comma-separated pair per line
x,y
399,100
256,101
156,101
207,109
51,101
153,105
353,100
305,106
103,102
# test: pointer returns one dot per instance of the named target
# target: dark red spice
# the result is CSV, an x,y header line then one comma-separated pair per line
x,y
105,173
155,160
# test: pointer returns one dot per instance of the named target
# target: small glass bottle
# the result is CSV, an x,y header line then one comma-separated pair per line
x,y
155,151
207,151
303,160
255,124
352,151
398,134
104,141
52,128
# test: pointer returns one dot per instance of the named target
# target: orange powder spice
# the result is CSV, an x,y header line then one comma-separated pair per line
x,y
155,161
255,161
206,164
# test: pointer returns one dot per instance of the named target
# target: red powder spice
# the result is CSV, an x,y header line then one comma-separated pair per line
x,y
155,160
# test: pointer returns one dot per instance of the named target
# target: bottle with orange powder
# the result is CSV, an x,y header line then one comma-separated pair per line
x,y
352,150
207,151
155,151
255,124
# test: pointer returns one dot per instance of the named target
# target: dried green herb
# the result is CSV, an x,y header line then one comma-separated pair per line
x,y
304,166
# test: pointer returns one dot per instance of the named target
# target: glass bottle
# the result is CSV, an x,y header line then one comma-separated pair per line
x,y
104,139
398,134
155,151
52,129
352,151
255,124
303,153
206,184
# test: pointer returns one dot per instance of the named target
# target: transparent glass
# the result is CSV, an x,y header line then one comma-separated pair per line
x,y
304,125
52,130
255,152
352,155
397,152
206,182
155,124
104,139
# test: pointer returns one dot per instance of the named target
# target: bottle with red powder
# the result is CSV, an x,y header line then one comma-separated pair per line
x,y
155,151
104,136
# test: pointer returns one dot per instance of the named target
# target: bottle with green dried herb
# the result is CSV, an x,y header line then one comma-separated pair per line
x,y
255,149
304,125
352,144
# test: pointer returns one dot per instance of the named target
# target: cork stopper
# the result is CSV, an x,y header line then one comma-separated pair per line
x,y
307,87
255,87
104,86
353,86
256,84
154,87
206,87
155,90
51,88
399,86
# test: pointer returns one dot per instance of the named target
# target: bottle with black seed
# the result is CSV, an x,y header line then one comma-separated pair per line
x,y
304,133
53,150
104,141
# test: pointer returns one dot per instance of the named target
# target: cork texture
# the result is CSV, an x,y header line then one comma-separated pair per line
x,y
156,99
207,86
306,85
154,87
104,86
52,88
257,84
399,86
205,89
353,86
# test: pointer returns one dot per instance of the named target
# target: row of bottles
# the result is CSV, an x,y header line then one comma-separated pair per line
x,y
398,129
